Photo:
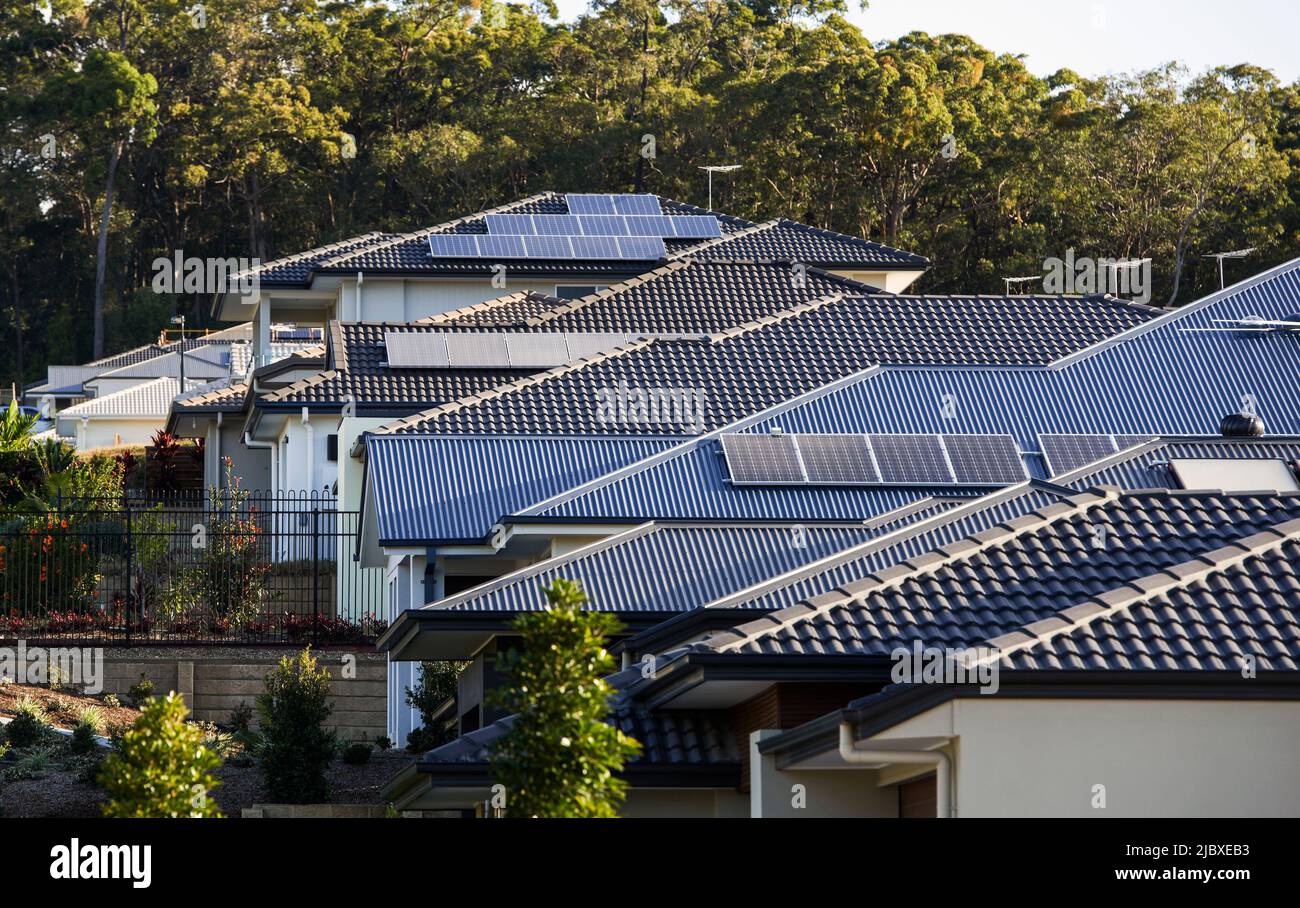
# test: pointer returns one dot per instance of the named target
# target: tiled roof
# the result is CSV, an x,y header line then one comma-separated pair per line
x,y
228,399
1014,574
150,398
296,269
512,309
789,241
748,369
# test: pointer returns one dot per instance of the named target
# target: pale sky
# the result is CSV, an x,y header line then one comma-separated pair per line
x,y
1094,37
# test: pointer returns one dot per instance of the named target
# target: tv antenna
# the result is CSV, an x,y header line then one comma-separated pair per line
x,y
717,168
1020,281
1234,254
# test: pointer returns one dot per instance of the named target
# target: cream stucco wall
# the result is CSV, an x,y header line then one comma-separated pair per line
x,y
1187,758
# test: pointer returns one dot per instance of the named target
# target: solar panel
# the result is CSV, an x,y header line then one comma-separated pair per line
x,y
556,224
980,459
636,248
636,204
1069,451
694,226
601,225
530,350
843,459
753,459
910,459
477,350
415,350
453,245
584,345
548,247
509,224
505,247
591,203
648,225
595,247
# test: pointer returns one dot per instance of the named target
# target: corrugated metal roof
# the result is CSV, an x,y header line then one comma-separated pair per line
x,y
419,491
664,567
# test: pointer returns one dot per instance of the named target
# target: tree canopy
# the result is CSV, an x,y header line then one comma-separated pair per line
x,y
135,128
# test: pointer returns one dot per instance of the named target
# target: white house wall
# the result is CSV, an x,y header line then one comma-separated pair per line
x,y
105,431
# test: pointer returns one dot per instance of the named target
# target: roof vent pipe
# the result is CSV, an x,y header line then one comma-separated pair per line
x,y
1241,425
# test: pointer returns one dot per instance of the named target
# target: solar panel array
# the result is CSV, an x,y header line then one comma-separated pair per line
x,y
628,227
665,226
499,246
494,349
847,459
1069,451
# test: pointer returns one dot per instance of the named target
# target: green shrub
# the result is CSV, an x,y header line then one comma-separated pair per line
x,y
424,739
29,725
383,742
561,757
296,748
111,701
140,692
241,717
161,768
91,715
33,764
83,739
357,753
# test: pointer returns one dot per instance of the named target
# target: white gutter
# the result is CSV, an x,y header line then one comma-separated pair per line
x,y
217,447
360,279
850,753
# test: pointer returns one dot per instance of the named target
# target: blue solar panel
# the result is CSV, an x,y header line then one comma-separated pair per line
x,y
556,224
1066,452
595,247
506,247
984,459
602,225
453,245
548,247
694,226
636,248
636,204
648,225
761,459
591,203
509,224
910,459
837,459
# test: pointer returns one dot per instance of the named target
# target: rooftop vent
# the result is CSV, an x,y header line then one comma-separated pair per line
x,y
1241,425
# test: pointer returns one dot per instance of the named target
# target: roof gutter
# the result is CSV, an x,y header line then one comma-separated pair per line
x,y
942,764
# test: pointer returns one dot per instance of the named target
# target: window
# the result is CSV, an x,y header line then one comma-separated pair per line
x,y
332,447
576,291
1235,475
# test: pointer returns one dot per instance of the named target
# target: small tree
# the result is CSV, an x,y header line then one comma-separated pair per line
x,y
296,748
161,768
436,684
560,757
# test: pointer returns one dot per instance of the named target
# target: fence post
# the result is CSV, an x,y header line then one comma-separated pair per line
x,y
130,568
315,577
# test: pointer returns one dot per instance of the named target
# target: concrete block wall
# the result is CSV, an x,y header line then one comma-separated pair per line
x,y
214,681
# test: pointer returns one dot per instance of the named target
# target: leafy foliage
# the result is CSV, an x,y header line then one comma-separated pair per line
x,y
160,767
560,757
296,747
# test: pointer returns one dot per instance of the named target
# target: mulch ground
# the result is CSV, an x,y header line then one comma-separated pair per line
x,y
62,707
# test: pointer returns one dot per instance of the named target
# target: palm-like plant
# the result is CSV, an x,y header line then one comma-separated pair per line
x,y
16,428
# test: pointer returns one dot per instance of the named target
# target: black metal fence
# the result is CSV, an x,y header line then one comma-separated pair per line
x,y
188,568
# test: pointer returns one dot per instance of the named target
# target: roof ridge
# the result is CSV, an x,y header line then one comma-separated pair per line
x,y
893,536
301,384
1128,594
537,567
787,222
307,253
590,299
690,251
779,316
926,563
425,232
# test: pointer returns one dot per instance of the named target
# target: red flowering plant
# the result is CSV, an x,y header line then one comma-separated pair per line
x,y
46,567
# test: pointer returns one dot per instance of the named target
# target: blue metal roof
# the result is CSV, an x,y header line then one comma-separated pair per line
x,y
1156,378
420,494
665,567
